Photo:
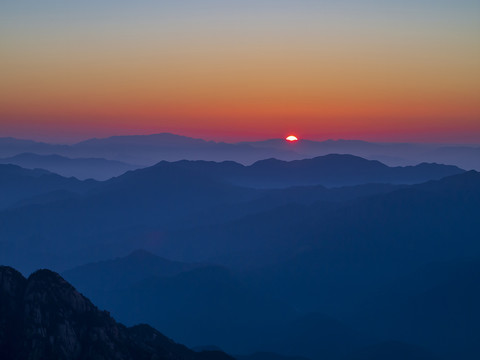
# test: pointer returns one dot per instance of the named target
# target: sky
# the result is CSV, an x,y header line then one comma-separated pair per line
x,y
241,69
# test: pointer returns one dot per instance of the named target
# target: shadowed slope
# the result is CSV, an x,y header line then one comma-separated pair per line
x,y
17,184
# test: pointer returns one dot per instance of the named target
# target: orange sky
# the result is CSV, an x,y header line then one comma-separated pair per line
x,y
254,73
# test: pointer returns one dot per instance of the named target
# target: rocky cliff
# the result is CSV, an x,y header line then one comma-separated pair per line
x,y
44,317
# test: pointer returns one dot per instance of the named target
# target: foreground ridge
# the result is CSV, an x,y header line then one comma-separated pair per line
x,y
44,317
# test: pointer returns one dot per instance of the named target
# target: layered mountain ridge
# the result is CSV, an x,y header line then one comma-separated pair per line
x,y
147,150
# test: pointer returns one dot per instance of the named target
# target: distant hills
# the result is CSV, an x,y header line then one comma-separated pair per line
x,y
167,196
19,184
317,264
81,168
44,317
329,170
393,154
146,150
420,220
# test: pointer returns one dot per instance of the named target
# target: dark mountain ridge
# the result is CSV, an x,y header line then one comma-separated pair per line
x,y
330,170
17,183
429,212
142,208
111,212
147,150
44,317
393,154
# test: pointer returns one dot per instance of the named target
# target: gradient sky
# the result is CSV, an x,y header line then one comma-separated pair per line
x,y
241,70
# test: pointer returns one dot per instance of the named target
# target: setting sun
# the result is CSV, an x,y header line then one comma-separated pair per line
x,y
291,138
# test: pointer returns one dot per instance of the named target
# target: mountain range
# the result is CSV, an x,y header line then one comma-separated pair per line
x,y
146,150
19,184
330,170
81,168
334,257
145,203
323,258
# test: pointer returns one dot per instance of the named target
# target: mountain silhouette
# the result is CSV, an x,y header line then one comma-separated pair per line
x,y
10,146
19,184
113,210
147,150
393,154
329,170
44,317
134,209
81,168
424,217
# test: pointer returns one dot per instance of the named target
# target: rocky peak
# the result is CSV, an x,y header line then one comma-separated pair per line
x,y
12,282
44,317
45,287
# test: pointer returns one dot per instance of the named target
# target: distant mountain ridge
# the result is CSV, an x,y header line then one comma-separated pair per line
x,y
330,170
81,168
150,201
18,184
412,211
146,150
392,154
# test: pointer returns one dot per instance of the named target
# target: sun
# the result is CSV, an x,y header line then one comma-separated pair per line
x,y
291,138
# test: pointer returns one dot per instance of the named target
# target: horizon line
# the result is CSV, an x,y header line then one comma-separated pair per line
x,y
74,142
